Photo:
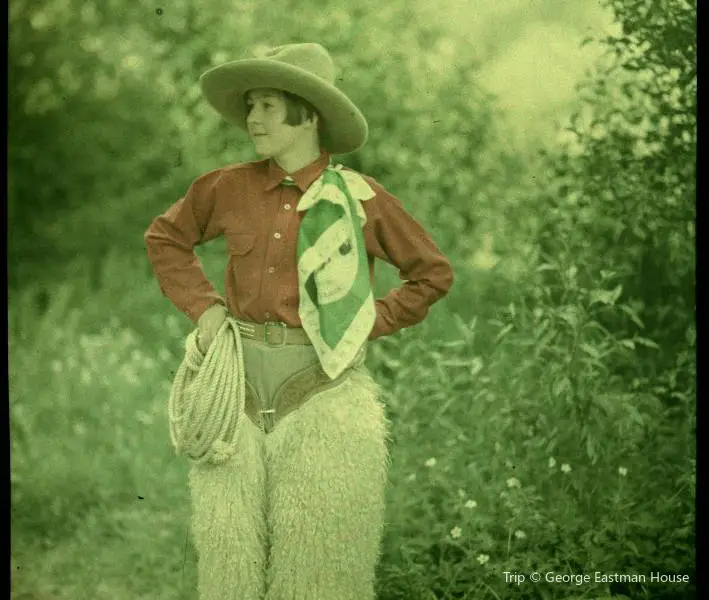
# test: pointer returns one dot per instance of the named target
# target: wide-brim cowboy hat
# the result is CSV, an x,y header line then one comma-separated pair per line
x,y
305,70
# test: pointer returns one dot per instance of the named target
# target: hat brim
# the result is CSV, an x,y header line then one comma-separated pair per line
x,y
344,128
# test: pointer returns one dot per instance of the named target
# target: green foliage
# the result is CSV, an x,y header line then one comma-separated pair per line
x,y
530,455
621,195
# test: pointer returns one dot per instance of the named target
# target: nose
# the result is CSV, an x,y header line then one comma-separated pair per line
x,y
253,117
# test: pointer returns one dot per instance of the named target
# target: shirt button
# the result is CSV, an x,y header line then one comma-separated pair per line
x,y
277,235
286,206
271,269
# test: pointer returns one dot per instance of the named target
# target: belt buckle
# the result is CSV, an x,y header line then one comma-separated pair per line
x,y
280,325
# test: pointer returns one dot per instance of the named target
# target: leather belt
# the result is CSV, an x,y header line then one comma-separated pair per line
x,y
273,333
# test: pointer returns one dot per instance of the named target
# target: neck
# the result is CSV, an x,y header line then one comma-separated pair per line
x,y
297,159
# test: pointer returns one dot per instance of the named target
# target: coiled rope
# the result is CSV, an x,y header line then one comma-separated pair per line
x,y
206,405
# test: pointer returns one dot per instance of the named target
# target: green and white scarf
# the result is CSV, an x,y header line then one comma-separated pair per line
x,y
337,307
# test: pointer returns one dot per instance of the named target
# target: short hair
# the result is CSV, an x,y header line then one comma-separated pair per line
x,y
295,107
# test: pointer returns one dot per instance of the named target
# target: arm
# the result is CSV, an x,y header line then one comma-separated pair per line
x,y
170,242
393,235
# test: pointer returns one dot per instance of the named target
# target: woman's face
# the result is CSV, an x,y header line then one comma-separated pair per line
x,y
266,124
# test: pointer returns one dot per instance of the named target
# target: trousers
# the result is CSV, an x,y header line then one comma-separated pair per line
x,y
298,512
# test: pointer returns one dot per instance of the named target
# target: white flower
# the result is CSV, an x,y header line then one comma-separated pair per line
x,y
520,535
513,482
471,504
483,558
552,462
456,532
566,468
411,477
431,462
622,471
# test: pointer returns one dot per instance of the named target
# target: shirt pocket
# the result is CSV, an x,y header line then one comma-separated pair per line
x,y
240,248
240,244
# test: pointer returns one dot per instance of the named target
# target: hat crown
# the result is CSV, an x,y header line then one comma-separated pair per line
x,y
309,57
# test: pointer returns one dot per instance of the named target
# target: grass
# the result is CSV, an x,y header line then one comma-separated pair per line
x,y
488,473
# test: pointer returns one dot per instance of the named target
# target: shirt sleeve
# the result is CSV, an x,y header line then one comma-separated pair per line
x,y
170,240
393,235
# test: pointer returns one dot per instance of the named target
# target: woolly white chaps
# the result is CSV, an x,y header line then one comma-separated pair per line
x,y
298,513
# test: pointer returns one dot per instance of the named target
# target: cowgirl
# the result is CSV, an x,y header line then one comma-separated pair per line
x,y
297,513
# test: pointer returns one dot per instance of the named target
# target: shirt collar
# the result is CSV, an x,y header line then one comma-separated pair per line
x,y
302,177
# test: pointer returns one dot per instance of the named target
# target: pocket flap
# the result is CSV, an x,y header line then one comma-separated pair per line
x,y
240,243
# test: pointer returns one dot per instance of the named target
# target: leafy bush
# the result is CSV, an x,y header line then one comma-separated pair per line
x,y
530,455
621,195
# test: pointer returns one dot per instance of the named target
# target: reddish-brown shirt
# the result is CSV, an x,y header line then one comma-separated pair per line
x,y
249,204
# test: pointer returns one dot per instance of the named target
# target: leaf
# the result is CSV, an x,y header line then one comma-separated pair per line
x,y
607,297
645,342
541,327
391,363
505,330
560,386
597,326
462,326
547,267
633,547
454,344
628,344
635,414
591,448
476,365
590,350
632,314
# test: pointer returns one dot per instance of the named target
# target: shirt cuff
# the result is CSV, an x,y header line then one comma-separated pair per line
x,y
195,311
382,325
